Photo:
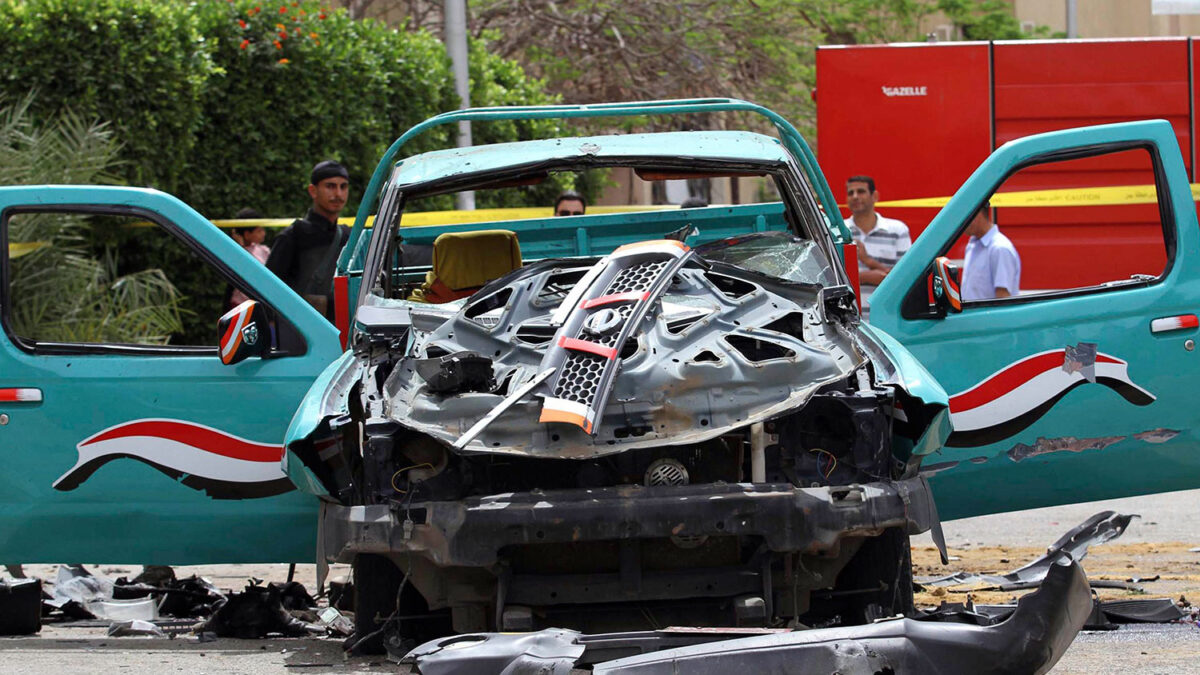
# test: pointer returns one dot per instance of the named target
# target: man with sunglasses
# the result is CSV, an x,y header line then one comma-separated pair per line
x,y
569,204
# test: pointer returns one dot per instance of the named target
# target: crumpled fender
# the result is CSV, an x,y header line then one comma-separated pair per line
x,y
328,397
909,375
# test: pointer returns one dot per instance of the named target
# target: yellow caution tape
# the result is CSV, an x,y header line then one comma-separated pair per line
x,y
1097,196
426,218
17,249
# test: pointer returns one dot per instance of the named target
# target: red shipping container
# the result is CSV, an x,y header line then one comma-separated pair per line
x,y
913,117
971,97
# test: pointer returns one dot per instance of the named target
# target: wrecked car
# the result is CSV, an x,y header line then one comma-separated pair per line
x,y
766,451
696,428
693,429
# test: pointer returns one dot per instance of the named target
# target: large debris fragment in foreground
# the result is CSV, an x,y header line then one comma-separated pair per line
x,y
1031,640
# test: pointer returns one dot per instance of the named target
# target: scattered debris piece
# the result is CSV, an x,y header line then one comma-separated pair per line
x,y
143,609
155,575
20,607
255,613
293,595
1147,610
336,622
135,628
1102,527
1143,580
193,596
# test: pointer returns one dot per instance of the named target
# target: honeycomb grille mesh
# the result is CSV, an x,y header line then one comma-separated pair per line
x,y
636,278
579,377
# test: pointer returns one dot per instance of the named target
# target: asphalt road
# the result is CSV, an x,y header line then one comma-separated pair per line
x,y
1172,516
1132,649
1168,517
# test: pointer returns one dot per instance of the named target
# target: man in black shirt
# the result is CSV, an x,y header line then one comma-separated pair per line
x,y
305,254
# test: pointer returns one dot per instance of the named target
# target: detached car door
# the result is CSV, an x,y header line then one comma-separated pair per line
x,y
125,438
1062,394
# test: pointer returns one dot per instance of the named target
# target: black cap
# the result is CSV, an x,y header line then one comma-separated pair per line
x,y
328,169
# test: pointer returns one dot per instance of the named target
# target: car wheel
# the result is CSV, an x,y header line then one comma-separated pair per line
x,y
877,582
376,584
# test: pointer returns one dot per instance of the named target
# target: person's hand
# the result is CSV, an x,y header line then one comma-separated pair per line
x,y
870,262
874,276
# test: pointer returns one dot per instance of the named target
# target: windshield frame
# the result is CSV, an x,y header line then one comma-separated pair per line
x,y
804,217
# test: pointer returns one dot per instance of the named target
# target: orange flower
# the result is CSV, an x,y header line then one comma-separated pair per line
x,y
280,26
283,35
321,16
242,24
296,30
312,35
277,45
245,43
284,61
303,13
283,10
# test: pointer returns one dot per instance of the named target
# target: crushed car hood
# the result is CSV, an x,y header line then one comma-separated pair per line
x,y
724,348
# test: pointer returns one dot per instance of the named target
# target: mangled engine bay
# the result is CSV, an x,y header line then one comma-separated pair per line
x,y
656,426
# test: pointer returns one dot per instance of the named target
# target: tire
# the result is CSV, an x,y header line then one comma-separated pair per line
x,y
376,584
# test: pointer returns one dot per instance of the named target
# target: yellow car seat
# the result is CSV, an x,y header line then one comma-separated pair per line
x,y
464,261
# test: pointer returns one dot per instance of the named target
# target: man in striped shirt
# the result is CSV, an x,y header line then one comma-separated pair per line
x,y
881,241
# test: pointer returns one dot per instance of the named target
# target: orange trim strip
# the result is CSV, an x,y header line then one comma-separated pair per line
x,y
227,355
653,242
550,415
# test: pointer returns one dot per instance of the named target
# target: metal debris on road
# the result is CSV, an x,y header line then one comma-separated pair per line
x,y
1102,527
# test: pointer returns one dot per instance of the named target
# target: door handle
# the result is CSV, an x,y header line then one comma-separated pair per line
x,y
1170,323
20,395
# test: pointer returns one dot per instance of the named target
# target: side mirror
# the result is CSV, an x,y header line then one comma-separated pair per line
x,y
244,333
944,286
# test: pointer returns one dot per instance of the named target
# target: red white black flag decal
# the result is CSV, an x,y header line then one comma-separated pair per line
x,y
1017,395
202,458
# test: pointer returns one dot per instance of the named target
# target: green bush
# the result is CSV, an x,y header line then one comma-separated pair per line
x,y
298,84
228,104
336,88
141,66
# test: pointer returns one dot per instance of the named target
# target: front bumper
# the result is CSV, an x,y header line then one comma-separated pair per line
x,y
472,532
1031,640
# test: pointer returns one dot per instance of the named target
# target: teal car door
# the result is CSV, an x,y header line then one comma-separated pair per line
x,y
1062,395
125,446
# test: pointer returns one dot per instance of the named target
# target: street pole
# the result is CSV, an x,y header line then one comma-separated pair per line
x,y
1072,24
456,46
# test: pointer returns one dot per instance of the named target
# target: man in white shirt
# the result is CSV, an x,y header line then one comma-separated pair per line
x,y
992,268
881,241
